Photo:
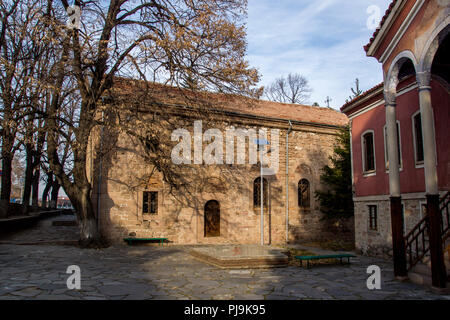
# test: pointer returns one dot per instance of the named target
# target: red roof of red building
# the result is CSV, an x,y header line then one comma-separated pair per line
x,y
362,95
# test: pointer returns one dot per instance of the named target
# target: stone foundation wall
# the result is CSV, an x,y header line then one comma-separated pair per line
x,y
379,242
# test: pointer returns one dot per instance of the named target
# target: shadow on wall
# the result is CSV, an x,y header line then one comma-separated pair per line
x,y
307,222
136,157
140,160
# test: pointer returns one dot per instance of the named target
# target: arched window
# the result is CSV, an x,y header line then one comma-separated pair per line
x,y
257,192
303,194
212,219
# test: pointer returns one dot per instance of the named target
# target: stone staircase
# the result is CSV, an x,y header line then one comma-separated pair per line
x,y
418,246
421,272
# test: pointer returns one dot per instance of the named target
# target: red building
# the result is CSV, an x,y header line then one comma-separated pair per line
x,y
400,141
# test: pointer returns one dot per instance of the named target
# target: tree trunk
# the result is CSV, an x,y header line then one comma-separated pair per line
x,y
28,177
5,193
76,187
54,195
35,188
89,235
47,188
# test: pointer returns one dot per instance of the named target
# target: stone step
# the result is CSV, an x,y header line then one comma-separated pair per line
x,y
422,269
420,279
427,261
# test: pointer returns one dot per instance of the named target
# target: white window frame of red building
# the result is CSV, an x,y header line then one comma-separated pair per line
x,y
422,203
399,132
418,164
370,218
368,173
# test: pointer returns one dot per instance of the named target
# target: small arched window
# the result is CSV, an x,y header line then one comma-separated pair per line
x,y
257,192
303,194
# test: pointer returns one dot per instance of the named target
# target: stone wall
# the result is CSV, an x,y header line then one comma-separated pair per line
x,y
379,242
181,212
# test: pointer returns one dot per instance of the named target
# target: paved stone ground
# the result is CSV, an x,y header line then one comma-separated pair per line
x,y
39,272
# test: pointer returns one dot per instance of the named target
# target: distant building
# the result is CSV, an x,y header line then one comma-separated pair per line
x,y
64,203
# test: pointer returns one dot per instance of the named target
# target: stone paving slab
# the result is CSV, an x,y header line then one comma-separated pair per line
x,y
140,273
39,272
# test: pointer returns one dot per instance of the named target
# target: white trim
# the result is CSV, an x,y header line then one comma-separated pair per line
x,y
386,26
401,31
374,105
405,54
381,102
417,164
368,173
371,174
405,196
407,89
363,99
422,214
399,132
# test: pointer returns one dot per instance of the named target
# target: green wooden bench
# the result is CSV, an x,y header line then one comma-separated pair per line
x,y
320,257
131,240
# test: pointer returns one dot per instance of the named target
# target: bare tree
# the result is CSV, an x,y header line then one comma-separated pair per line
x,y
185,43
293,89
17,177
20,49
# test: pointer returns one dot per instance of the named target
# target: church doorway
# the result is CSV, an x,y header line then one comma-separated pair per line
x,y
212,219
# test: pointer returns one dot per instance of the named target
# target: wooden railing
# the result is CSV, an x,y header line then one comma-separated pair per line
x,y
416,241
444,206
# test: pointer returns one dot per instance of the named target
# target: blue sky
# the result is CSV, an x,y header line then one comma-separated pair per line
x,y
320,39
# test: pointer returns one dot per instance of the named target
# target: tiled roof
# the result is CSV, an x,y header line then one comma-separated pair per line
x,y
383,20
130,89
362,95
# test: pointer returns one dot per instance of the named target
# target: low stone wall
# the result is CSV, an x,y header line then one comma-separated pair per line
x,y
13,224
19,222
319,228
17,209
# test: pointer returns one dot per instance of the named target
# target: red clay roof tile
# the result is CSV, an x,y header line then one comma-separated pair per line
x,y
362,95
234,103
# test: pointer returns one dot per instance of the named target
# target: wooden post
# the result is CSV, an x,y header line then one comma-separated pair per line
x,y
438,269
398,241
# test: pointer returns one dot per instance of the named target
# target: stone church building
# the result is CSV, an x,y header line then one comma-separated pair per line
x,y
400,136
141,190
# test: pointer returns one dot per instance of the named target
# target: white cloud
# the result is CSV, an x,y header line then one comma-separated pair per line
x,y
322,40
